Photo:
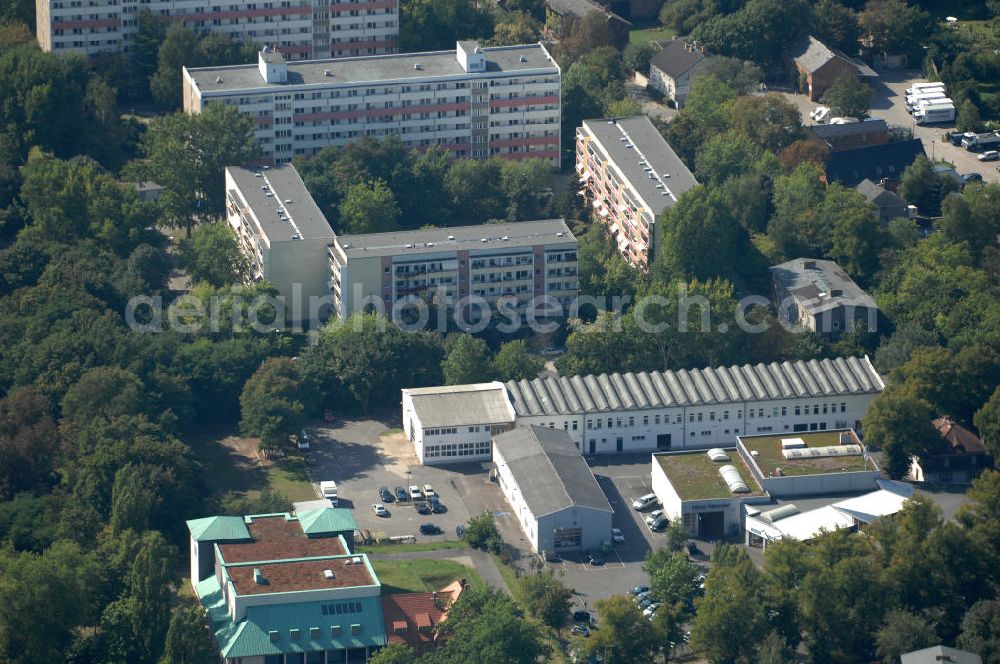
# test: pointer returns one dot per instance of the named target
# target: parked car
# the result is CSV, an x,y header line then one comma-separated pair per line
x,y
594,558
415,492
638,590
429,529
422,507
971,177
401,494
551,351
581,615
582,630
385,495
303,440
653,516
435,504
644,502
428,491
659,524
617,536
641,596
989,155
460,531
820,113
380,510
329,491
651,609
692,549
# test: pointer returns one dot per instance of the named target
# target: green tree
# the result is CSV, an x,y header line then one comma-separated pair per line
x,y
637,56
968,118
514,362
369,208
526,185
271,404
545,597
625,630
897,28
103,392
433,25
760,31
743,76
677,536
468,361
987,420
971,216
672,577
731,619
189,640
771,121
899,423
903,632
212,254
836,25
774,649
848,97
981,631
725,156
857,237
580,35
481,533
395,653
797,227
178,44
700,236
188,155
474,189
485,626
28,442
922,187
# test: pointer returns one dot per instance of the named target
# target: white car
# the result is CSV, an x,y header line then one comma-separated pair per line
x,y
302,440
617,536
415,492
989,155
380,510
820,113
329,491
651,609
642,502
653,516
428,491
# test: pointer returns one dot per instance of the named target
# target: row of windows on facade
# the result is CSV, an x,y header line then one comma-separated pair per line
x,y
447,431
457,449
372,92
313,657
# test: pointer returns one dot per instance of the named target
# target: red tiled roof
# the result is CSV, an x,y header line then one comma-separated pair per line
x,y
416,611
275,538
958,437
302,575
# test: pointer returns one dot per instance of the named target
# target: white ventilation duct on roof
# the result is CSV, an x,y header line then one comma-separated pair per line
x,y
818,452
779,513
733,479
717,454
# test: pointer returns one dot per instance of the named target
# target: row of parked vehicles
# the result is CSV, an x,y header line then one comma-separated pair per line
x,y
929,103
656,520
425,499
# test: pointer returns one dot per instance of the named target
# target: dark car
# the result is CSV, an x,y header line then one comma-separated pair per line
x,y
422,507
401,494
581,616
692,549
385,494
594,558
436,506
971,177
429,529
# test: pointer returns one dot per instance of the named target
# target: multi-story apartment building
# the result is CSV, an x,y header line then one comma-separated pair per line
x,y
282,233
473,101
631,176
303,29
501,265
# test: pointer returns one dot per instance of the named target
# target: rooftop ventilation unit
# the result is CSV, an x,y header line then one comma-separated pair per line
x,y
818,452
451,237
329,575
792,443
666,175
417,66
327,72
356,560
218,79
717,454
288,200
523,58
504,238
779,513
409,246
258,577
733,479
560,234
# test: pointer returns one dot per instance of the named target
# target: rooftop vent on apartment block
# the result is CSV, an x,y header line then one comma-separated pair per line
x,y
329,575
327,72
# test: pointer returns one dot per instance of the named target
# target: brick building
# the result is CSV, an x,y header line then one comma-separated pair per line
x,y
819,66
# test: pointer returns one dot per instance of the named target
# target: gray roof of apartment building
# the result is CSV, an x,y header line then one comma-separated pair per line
x,y
580,8
648,150
289,211
469,238
372,69
549,470
676,56
811,54
812,281
879,195
694,387
461,405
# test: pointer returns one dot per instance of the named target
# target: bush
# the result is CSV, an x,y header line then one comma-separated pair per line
x,y
482,533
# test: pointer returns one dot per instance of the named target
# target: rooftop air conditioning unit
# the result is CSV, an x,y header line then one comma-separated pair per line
x,y
288,200
329,575
451,237
417,66
327,72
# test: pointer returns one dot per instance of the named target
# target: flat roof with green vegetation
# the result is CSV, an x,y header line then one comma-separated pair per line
x,y
696,477
769,456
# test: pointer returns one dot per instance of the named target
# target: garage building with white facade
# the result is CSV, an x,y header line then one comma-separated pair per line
x,y
551,490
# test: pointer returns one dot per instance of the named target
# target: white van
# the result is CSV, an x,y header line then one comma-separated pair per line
x,y
642,502
329,491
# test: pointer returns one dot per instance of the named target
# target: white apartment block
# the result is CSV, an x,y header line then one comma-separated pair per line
x,y
691,409
303,29
495,265
282,233
473,102
630,176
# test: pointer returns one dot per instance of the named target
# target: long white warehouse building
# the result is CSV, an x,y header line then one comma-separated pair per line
x,y
661,410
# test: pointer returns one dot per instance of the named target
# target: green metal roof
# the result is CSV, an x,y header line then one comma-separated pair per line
x,y
251,637
218,528
326,521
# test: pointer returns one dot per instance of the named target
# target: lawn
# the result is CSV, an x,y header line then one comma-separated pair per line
x,y
696,477
654,33
416,576
229,465
769,455
412,548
